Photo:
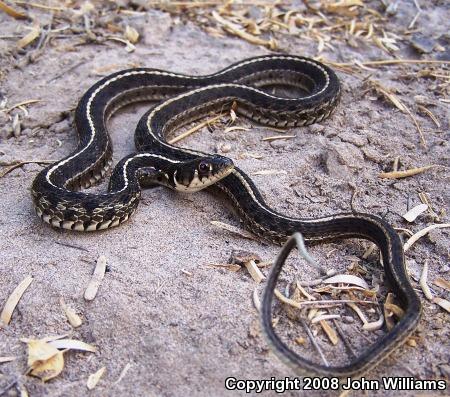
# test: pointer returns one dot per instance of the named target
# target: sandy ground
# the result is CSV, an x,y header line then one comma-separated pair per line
x,y
183,326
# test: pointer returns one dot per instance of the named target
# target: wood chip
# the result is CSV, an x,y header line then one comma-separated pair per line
x,y
13,300
11,11
254,271
423,282
405,173
97,277
73,318
234,229
414,212
445,304
422,233
330,332
369,250
440,282
95,378
30,36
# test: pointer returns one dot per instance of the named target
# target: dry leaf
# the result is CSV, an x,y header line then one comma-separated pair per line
x,y
45,361
331,333
445,304
73,318
347,279
414,212
13,300
422,233
72,344
97,277
440,282
131,34
95,378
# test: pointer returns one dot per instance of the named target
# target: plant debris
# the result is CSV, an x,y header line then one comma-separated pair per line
x,y
423,282
422,233
13,300
73,318
405,173
46,360
95,378
233,229
97,277
414,212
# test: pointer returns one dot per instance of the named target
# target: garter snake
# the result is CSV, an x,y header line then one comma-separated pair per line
x,y
185,99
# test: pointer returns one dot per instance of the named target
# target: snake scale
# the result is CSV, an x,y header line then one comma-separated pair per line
x,y
183,99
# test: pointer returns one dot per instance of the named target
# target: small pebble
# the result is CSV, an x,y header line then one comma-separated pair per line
x,y
444,269
225,148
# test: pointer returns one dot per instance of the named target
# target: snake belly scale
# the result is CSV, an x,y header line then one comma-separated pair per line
x,y
184,99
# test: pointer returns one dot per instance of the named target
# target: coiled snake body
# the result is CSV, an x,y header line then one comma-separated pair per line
x,y
187,98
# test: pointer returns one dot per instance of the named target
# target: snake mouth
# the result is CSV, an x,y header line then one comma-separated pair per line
x,y
205,173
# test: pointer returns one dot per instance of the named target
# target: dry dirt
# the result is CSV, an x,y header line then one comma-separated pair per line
x,y
183,326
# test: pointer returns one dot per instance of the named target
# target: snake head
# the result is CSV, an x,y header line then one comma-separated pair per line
x,y
195,175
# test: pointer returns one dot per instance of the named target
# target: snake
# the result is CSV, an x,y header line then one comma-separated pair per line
x,y
247,87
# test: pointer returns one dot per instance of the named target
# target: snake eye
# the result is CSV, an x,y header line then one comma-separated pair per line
x,y
203,166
